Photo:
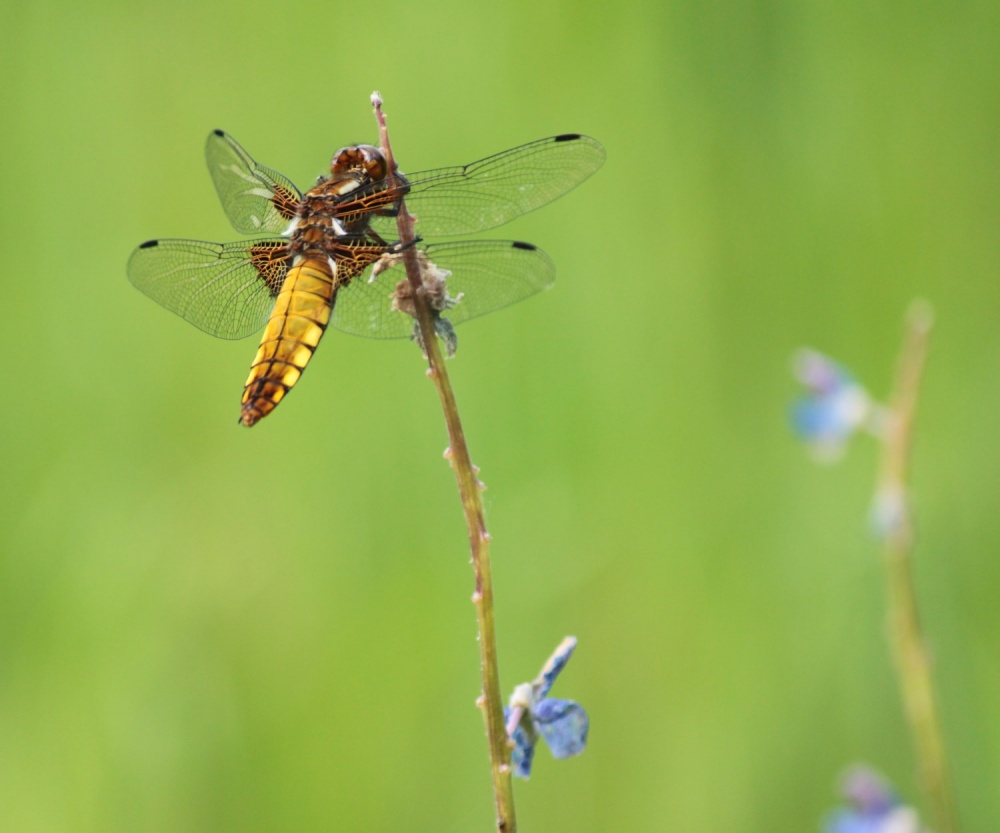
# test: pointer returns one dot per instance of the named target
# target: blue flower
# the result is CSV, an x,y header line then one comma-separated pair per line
x,y
532,714
833,408
875,807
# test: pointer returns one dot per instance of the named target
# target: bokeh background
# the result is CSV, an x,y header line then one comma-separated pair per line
x,y
205,628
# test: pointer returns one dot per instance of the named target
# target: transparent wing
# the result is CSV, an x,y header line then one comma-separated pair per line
x,y
492,191
225,289
486,275
256,199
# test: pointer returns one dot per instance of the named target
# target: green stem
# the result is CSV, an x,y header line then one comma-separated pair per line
x,y
470,490
906,635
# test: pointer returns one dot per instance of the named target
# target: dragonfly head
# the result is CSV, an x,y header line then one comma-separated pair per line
x,y
359,159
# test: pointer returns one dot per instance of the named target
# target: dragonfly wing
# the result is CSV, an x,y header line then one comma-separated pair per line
x,y
485,275
256,199
225,289
495,190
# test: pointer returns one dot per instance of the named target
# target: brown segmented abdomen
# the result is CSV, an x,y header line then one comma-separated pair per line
x,y
301,313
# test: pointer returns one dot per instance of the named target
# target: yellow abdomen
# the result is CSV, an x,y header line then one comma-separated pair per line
x,y
301,313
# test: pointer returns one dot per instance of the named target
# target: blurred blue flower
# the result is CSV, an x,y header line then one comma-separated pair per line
x,y
875,807
833,408
532,714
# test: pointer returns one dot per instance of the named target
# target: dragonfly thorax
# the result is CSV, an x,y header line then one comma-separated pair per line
x,y
318,223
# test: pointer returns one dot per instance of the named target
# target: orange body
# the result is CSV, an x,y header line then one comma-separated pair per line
x,y
297,323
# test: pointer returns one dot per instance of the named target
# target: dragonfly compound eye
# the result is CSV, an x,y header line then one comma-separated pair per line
x,y
359,158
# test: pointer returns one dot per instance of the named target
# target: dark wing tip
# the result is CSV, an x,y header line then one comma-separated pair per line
x,y
149,244
218,132
518,244
567,137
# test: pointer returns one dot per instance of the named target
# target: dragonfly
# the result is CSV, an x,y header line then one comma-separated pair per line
x,y
329,255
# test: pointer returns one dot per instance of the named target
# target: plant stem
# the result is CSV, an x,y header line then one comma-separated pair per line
x,y
470,491
906,636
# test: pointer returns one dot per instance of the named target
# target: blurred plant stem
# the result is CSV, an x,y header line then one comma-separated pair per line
x,y
894,520
470,490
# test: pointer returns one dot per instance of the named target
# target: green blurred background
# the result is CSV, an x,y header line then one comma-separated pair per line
x,y
205,628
